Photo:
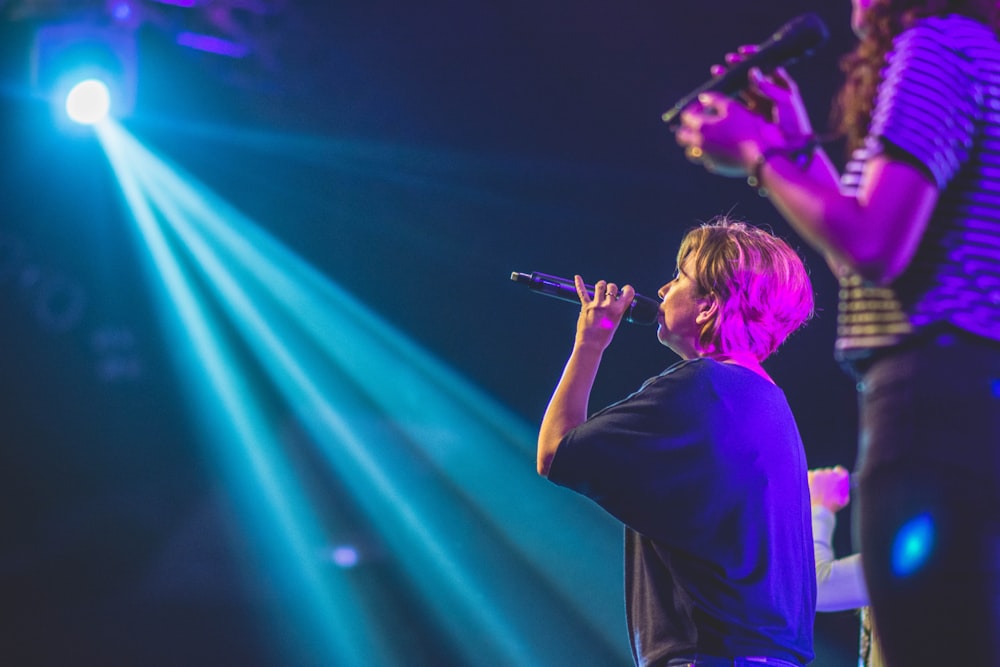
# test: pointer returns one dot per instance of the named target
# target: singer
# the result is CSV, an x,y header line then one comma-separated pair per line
x,y
703,464
912,230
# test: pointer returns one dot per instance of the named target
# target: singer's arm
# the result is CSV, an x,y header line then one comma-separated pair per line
x,y
875,233
567,408
596,326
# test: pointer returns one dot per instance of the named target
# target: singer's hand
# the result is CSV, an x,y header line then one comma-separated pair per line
x,y
788,111
601,314
758,104
830,488
722,135
774,96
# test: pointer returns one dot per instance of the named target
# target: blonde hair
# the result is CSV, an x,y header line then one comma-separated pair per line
x,y
761,285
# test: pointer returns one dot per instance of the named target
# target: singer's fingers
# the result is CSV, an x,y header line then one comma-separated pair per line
x,y
691,119
717,70
780,76
684,135
747,49
711,99
689,139
734,58
707,107
626,294
581,289
765,84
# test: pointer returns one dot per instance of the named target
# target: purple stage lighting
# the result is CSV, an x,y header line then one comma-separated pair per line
x,y
210,44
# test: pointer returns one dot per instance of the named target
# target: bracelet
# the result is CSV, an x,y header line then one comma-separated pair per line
x,y
801,155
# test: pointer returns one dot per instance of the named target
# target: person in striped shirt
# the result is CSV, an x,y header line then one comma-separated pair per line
x,y
912,229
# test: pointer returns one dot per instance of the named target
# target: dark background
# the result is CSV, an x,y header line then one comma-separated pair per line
x,y
516,135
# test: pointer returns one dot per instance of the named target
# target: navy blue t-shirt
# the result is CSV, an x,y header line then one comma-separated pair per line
x,y
705,467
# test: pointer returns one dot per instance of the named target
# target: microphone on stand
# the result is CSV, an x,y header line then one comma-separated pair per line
x,y
642,310
799,37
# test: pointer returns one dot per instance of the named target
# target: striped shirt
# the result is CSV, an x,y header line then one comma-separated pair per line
x,y
938,106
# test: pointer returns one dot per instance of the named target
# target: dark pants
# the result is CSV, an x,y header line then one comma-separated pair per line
x,y
929,456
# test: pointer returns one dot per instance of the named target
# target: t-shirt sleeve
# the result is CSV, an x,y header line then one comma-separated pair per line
x,y
643,459
926,105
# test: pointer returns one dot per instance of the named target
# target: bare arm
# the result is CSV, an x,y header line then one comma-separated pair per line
x,y
567,408
596,326
874,233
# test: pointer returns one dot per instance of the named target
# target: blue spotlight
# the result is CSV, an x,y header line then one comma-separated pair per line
x,y
97,63
88,102
913,545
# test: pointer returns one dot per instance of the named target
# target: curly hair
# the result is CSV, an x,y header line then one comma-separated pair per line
x,y
761,284
862,68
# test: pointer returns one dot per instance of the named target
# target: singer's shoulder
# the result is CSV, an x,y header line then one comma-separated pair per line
x,y
686,368
683,366
953,32
707,367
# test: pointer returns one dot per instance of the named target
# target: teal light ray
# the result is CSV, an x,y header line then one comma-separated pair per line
x,y
261,481
425,518
458,175
187,208
438,410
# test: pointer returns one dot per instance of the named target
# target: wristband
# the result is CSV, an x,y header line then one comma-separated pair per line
x,y
801,155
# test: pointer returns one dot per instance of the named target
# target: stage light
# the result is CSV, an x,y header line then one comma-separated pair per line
x,y
88,102
87,72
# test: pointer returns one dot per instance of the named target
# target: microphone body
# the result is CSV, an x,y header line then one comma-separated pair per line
x,y
642,310
799,37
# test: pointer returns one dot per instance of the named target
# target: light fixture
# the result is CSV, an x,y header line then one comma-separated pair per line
x,y
88,102
87,72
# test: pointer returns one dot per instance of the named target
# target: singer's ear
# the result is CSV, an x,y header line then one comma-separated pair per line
x,y
708,308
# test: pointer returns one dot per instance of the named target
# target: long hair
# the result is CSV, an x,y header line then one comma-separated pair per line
x,y
862,68
761,285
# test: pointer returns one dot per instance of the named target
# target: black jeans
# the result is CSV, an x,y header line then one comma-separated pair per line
x,y
929,510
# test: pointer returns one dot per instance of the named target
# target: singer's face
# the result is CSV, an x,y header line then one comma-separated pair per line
x,y
681,303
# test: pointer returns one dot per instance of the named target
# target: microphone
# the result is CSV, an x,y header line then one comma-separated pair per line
x,y
799,37
642,310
